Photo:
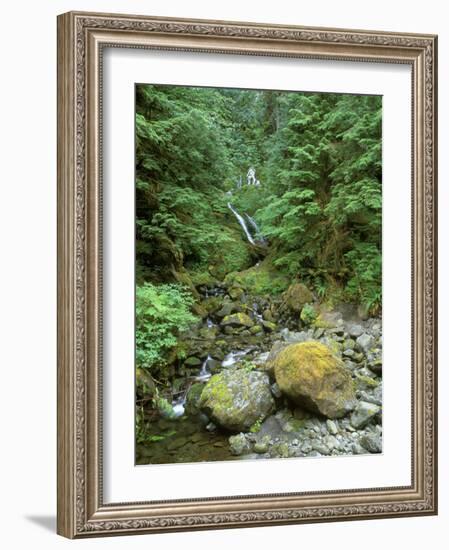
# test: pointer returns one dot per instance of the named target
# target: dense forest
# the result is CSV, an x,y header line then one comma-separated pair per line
x,y
254,199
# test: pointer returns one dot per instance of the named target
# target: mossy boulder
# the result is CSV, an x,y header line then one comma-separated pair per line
x,y
259,279
227,308
145,385
296,296
237,398
311,376
269,326
192,398
237,320
236,292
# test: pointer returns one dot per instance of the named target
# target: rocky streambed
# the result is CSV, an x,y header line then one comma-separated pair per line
x,y
269,378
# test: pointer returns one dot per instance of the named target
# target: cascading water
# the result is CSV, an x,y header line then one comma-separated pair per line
x,y
256,228
242,223
179,405
204,373
234,356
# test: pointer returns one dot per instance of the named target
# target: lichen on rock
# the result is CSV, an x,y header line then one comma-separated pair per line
x,y
237,398
314,378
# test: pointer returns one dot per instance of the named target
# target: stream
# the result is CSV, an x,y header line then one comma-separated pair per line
x,y
192,438
240,328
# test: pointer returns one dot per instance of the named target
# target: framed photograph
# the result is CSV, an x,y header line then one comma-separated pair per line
x,y
246,274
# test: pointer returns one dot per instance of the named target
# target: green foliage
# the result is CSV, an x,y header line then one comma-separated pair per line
x,y
318,157
255,428
162,313
365,266
324,211
308,314
260,279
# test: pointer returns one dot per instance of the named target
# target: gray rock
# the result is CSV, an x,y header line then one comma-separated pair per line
x,y
275,390
357,449
261,358
262,444
296,337
370,398
306,447
239,445
348,352
363,414
365,342
372,442
332,427
320,447
332,442
354,330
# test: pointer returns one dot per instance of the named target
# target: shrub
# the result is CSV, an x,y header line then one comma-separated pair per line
x,y
162,313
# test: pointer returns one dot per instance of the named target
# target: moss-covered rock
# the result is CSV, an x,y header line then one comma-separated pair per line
x,y
193,397
228,307
310,375
145,385
260,279
296,296
269,326
237,320
327,319
236,255
237,398
236,292
192,361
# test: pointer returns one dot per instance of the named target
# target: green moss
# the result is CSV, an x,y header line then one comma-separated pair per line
x,y
217,391
234,256
202,278
238,319
308,314
261,279
311,375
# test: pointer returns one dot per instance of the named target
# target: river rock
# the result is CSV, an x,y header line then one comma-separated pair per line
x,y
236,398
365,342
269,326
239,445
192,361
227,308
310,375
237,320
372,442
267,314
236,292
192,398
296,296
262,444
363,413
354,330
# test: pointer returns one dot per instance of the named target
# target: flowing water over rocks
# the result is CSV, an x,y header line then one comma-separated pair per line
x,y
244,336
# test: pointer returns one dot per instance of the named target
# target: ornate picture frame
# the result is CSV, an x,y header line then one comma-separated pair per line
x,y
82,38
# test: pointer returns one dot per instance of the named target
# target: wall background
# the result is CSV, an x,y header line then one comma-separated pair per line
x,y
28,271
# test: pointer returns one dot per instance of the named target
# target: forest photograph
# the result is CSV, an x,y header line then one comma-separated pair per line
x,y
258,274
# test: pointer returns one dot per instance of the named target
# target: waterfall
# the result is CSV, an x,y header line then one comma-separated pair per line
x,y
258,234
242,223
179,405
204,373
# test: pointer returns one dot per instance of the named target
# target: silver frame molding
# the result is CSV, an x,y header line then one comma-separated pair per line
x,y
81,38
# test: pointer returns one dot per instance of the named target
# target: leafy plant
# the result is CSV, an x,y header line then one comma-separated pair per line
x,y
162,313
